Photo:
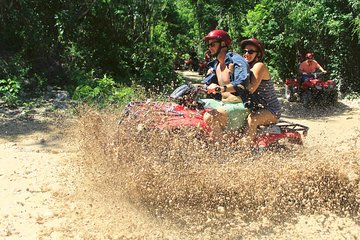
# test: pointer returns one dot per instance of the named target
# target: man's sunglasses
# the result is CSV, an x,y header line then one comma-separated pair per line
x,y
212,44
249,51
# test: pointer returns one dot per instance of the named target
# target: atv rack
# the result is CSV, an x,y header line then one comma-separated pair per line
x,y
282,130
286,126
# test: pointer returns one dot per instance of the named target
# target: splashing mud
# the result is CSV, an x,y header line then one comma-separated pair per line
x,y
191,189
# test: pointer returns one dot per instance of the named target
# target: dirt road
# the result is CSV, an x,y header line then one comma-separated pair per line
x,y
58,181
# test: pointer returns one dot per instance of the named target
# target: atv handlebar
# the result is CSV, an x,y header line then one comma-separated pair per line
x,y
186,95
318,74
201,88
190,90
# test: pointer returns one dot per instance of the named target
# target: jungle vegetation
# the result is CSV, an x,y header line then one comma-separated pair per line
x,y
105,49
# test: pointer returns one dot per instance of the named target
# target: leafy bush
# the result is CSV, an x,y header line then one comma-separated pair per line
x,y
153,67
102,92
352,96
18,76
9,91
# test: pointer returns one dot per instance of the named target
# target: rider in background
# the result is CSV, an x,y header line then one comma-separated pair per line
x,y
227,79
177,61
192,53
308,67
207,56
265,107
194,59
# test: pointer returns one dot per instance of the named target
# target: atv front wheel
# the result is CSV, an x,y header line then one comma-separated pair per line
x,y
332,98
306,99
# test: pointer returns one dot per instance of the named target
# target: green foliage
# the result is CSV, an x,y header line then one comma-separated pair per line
x,y
14,67
13,73
72,43
155,68
9,91
102,92
352,96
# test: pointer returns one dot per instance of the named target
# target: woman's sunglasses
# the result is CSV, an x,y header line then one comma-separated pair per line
x,y
249,51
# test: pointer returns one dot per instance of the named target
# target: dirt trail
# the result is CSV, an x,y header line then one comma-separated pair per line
x,y
48,190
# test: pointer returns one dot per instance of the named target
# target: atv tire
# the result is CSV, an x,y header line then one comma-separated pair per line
x,y
332,98
290,93
306,99
297,141
201,71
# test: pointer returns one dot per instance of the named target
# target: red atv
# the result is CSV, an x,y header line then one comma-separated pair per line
x,y
202,70
313,91
191,64
187,111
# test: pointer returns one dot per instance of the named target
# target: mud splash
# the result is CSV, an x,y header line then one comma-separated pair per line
x,y
220,191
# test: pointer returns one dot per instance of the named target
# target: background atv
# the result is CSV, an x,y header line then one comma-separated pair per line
x,y
191,64
313,91
202,70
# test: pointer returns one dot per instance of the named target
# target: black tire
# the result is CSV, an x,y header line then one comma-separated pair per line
x,y
290,93
306,98
201,71
332,98
297,141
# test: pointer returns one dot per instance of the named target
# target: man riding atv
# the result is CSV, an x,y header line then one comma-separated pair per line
x,y
308,67
311,89
226,82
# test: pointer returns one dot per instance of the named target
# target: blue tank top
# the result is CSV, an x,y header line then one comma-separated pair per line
x,y
265,97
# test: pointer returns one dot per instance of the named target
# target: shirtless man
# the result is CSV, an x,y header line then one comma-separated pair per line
x,y
227,79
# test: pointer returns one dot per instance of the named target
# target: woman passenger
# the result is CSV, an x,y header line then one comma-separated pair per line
x,y
265,107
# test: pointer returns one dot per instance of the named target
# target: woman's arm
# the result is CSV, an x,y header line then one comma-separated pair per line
x,y
259,72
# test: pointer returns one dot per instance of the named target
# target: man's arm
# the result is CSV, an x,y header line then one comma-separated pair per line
x,y
318,66
321,69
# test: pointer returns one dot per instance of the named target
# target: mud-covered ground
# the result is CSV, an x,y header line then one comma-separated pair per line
x,y
90,178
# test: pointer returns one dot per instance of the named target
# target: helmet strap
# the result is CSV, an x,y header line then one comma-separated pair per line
x,y
219,50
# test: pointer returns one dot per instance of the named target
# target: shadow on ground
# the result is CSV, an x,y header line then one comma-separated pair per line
x,y
13,128
295,110
15,123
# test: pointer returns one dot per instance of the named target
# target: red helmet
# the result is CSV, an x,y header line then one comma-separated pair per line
x,y
256,43
309,55
220,35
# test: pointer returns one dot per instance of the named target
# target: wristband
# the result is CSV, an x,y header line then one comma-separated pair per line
x,y
241,87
